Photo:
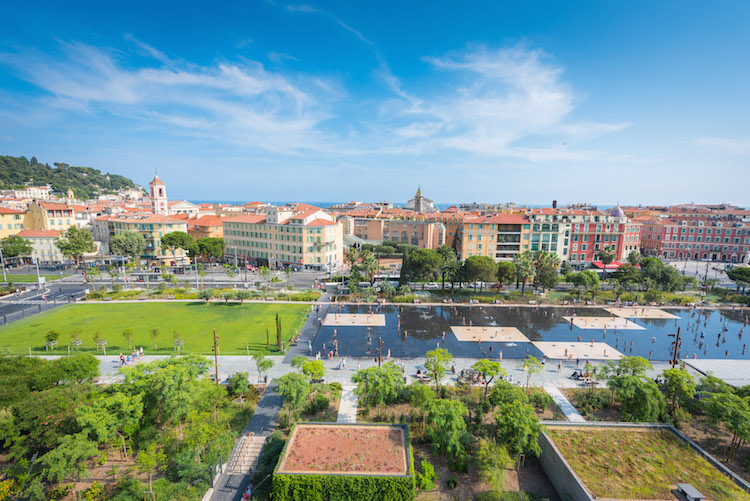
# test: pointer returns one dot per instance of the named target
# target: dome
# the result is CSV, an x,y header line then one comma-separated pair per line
x,y
617,212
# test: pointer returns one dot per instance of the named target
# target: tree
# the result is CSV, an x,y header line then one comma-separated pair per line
x,y
480,269
489,369
680,386
128,335
110,416
294,388
279,342
208,248
79,368
517,427
421,265
546,265
263,364
446,426
524,269
298,362
640,398
242,295
314,369
453,270
206,294
130,244
584,280
69,457
606,256
370,266
634,258
352,255
379,385
150,460
734,412
506,272
176,240
740,276
288,274
16,246
384,250
75,242
231,270
437,364
627,276
532,366
154,334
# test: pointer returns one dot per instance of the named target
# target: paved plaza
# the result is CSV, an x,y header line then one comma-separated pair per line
x,y
602,323
491,333
641,313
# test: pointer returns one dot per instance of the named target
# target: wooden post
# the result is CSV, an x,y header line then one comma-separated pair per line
x,y
29,350
216,355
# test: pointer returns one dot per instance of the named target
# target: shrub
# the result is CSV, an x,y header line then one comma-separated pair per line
x,y
317,404
336,386
426,479
237,384
452,483
96,295
96,492
117,287
541,400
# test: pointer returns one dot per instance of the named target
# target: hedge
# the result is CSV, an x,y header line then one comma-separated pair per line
x,y
338,487
331,487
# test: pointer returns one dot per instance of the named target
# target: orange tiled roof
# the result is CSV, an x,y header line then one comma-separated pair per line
x,y
321,222
250,218
5,210
39,233
150,218
499,218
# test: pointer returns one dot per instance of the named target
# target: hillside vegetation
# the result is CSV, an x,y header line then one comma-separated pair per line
x,y
86,182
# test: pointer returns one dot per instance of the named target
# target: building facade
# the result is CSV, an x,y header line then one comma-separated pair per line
x,y
499,236
11,222
152,227
296,235
49,216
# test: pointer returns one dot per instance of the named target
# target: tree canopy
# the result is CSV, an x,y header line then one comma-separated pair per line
x,y
128,243
16,246
379,385
208,248
75,242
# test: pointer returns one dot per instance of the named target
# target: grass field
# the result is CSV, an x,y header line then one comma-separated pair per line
x,y
29,278
237,326
645,464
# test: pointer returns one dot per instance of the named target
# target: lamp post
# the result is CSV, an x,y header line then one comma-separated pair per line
x,y
2,263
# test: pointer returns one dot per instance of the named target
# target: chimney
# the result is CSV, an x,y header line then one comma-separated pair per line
x,y
554,204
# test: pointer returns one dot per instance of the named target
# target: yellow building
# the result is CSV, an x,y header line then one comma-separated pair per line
x,y
499,236
152,227
297,235
11,222
49,216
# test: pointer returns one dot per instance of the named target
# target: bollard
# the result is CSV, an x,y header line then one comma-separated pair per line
x,y
29,350
68,350
247,350
40,308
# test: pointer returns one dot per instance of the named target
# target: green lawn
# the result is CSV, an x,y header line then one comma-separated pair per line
x,y
631,464
30,278
237,326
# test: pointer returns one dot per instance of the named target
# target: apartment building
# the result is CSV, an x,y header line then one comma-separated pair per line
x,y
297,235
49,216
693,238
499,236
425,234
152,227
11,222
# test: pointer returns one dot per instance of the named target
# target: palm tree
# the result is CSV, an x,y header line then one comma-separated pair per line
x,y
352,255
524,269
606,256
369,266
451,269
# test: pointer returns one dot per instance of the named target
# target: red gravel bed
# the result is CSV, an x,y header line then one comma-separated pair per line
x,y
353,449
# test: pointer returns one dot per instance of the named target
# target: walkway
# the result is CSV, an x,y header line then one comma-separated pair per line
x,y
232,484
348,405
565,406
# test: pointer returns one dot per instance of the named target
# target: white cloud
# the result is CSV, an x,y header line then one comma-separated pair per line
x,y
506,103
726,145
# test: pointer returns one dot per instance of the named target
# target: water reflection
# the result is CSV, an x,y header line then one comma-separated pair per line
x,y
410,331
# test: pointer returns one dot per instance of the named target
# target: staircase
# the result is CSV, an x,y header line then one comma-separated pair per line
x,y
245,456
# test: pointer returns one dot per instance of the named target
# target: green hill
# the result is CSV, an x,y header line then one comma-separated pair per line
x,y
86,182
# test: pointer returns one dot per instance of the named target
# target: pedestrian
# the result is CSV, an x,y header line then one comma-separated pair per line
x,y
559,366
343,363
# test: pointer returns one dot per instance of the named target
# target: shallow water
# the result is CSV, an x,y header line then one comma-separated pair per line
x,y
411,331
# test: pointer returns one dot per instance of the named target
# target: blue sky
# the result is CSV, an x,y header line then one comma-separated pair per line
x,y
494,101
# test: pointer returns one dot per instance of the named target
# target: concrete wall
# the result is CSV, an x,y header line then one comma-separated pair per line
x,y
565,480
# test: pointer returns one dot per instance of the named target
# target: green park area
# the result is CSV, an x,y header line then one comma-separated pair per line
x,y
639,464
239,327
18,278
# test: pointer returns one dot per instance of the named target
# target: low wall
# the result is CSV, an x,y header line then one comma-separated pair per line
x,y
565,480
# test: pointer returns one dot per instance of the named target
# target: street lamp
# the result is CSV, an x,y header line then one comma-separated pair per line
x,y
2,263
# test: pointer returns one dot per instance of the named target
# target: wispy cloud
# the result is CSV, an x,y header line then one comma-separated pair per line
x,y
495,100
726,145
507,103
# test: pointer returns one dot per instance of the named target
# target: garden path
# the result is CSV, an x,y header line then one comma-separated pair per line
x,y
565,406
348,405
